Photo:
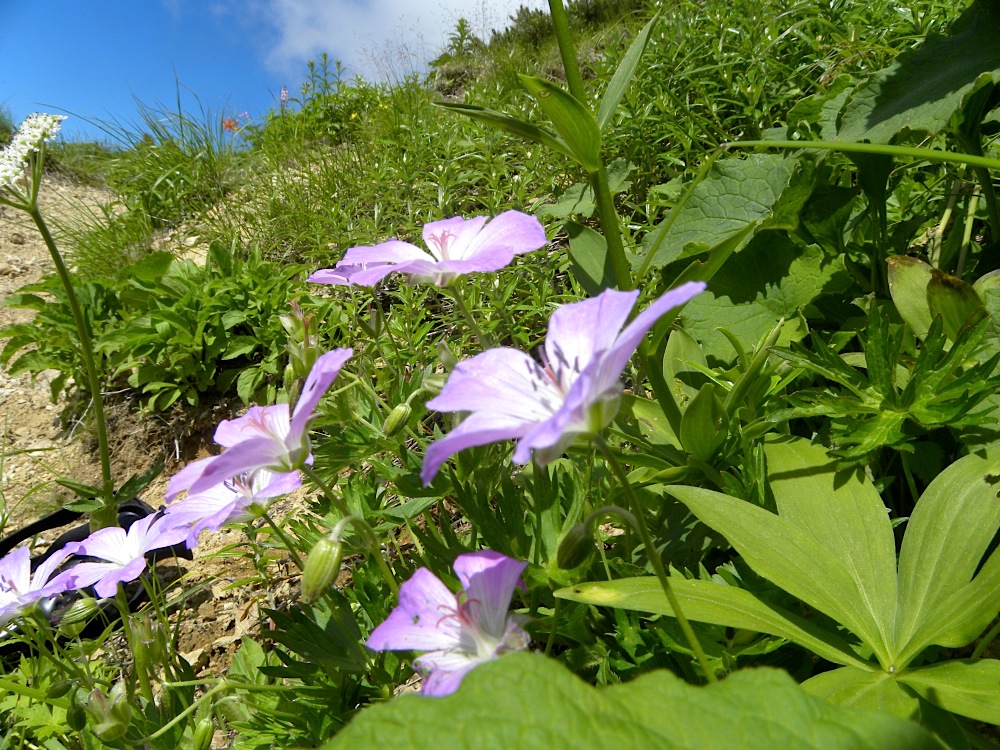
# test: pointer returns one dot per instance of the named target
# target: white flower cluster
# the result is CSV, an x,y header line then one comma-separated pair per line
x,y
34,131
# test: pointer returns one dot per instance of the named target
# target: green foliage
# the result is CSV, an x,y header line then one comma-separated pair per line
x,y
170,329
530,702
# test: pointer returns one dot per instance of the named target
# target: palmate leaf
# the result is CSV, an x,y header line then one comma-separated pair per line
x,y
966,687
843,512
717,604
791,558
528,702
947,535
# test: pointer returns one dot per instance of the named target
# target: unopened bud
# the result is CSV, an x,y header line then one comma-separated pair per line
x,y
397,419
201,737
76,717
109,719
576,547
321,570
78,615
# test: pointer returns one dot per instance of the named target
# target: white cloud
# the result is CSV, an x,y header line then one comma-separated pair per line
x,y
379,39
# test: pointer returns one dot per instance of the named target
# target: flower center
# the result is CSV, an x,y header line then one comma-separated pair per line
x,y
441,240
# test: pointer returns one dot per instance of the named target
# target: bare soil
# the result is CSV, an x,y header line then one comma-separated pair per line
x,y
35,449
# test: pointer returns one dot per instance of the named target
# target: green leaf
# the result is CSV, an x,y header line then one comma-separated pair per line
x,y
735,193
704,424
512,125
718,604
966,687
623,74
571,119
528,702
789,557
955,301
947,535
773,277
844,513
908,280
877,691
588,254
924,87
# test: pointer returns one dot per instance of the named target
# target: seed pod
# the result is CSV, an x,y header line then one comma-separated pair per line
x,y
322,567
201,737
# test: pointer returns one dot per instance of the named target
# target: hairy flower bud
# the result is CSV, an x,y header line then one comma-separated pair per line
x,y
576,547
201,737
397,419
78,615
109,717
322,567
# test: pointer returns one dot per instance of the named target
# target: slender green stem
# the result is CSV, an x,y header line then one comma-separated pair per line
x,y
912,152
484,338
555,624
87,352
361,526
612,229
284,540
327,491
657,561
567,50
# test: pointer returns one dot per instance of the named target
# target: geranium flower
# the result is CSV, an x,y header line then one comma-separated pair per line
x,y
19,588
456,246
457,635
573,393
266,437
125,552
229,502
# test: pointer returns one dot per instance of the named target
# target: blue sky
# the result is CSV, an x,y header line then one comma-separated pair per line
x,y
93,60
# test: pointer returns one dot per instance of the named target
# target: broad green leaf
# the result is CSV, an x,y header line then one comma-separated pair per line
x,y
624,74
527,702
877,691
588,254
789,557
512,125
964,614
966,687
571,119
908,280
683,362
844,514
955,301
734,194
773,277
924,87
718,604
950,529
653,423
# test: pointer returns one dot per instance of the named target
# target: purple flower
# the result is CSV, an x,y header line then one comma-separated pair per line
x,y
19,589
456,246
229,502
457,635
266,437
125,552
573,393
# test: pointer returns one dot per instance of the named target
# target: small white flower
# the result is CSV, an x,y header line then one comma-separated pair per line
x,y
34,131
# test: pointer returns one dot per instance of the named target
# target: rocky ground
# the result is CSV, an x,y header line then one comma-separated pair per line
x,y
36,448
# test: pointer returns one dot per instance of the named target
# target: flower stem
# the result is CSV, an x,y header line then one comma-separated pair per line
x,y
657,561
361,525
93,381
484,338
284,540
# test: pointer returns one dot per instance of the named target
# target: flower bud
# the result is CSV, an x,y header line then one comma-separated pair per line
x,y
397,419
109,719
201,737
321,569
76,717
78,615
576,547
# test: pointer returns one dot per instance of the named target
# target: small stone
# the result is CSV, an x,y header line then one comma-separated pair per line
x,y
6,269
17,238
